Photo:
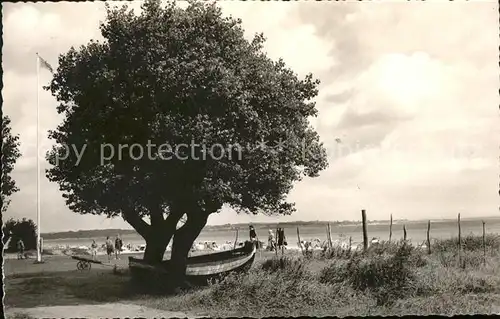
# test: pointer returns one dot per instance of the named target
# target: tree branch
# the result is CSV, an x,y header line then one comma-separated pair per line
x,y
156,215
137,223
173,217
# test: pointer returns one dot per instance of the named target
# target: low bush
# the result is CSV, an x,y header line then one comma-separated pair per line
x,y
258,292
336,272
386,247
336,252
469,243
439,280
467,260
287,266
385,276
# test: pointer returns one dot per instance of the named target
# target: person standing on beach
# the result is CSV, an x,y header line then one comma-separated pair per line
x,y
118,246
281,240
109,248
253,236
20,249
93,249
271,243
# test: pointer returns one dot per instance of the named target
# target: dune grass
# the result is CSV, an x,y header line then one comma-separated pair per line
x,y
469,243
391,279
19,315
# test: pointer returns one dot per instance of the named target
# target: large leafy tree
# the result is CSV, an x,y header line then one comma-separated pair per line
x,y
10,154
172,75
14,230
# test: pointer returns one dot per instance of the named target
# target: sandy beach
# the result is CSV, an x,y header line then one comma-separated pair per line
x,y
63,263
108,310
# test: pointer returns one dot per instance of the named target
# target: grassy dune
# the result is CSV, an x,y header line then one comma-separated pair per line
x,y
391,279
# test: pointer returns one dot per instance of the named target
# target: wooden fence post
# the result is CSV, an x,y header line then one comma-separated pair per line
x,y
276,241
300,244
459,242
390,230
350,243
484,245
330,236
429,237
236,240
404,233
328,241
365,232
327,237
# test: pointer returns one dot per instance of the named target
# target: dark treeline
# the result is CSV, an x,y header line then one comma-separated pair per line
x,y
91,233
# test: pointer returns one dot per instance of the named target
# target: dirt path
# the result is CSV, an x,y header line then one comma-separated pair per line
x,y
109,310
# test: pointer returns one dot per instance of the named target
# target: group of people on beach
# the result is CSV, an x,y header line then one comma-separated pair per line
x,y
111,247
274,243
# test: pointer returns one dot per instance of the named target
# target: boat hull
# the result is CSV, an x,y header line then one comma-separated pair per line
x,y
200,270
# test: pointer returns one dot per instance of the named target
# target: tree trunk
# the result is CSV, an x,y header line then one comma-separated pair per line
x,y
158,234
156,245
183,241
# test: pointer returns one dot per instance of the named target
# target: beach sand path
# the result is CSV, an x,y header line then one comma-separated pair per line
x,y
108,310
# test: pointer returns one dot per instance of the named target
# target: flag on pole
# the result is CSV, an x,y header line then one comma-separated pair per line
x,y
45,64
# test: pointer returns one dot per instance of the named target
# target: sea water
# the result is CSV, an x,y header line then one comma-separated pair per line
x,y
416,233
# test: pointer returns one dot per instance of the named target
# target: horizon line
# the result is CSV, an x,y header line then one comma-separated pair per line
x,y
296,222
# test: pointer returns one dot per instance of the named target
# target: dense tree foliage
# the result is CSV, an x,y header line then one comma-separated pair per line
x,y
14,230
172,75
10,154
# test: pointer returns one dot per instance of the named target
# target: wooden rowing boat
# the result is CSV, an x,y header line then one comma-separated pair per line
x,y
201,269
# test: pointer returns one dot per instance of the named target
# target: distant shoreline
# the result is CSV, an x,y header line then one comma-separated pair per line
x,y
90,233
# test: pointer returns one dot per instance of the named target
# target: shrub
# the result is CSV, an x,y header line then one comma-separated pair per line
x,y
413,255
469,243
336,272
385,247
447,259
438,280
291,267
260,291
469,259
472,259
385,276
336,252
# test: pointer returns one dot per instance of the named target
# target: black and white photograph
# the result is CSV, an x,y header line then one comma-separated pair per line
x,y
186,159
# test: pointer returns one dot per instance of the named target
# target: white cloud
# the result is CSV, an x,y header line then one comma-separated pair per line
x,y
409,81
410,88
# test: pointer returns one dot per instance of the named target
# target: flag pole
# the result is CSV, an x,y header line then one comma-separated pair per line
x,y
38,248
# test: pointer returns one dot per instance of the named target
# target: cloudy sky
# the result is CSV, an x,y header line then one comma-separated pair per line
x,y
411,89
